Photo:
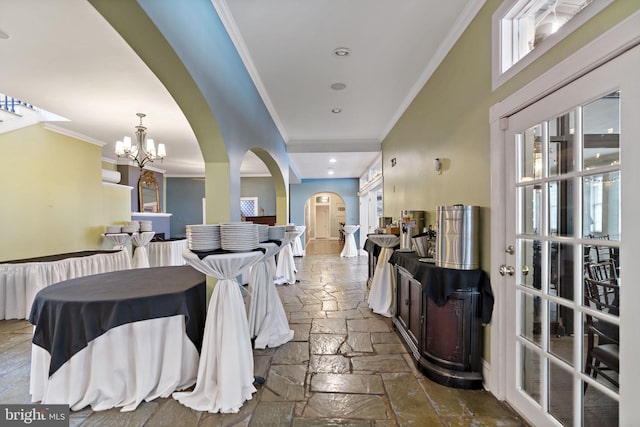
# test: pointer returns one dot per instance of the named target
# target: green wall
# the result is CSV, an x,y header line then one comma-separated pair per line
x,y
53,199
449,119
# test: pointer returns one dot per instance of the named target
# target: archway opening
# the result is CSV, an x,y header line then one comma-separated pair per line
x,y
325,214
263,194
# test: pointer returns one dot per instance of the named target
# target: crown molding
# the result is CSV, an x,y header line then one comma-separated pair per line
x,y
72,134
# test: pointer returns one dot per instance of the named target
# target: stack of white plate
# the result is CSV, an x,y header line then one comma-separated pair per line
x,y
135,224
203,237
276,232
113,229
146,225
130,229
239,236
263,232
290,227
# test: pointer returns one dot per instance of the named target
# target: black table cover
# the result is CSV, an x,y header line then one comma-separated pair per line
x,y
69,314
438,283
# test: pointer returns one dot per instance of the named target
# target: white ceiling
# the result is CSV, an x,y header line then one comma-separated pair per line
x,y
64,57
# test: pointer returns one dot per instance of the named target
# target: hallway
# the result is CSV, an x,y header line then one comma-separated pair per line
x,y
345,366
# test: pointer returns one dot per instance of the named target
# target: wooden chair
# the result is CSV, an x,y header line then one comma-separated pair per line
x,y
603,342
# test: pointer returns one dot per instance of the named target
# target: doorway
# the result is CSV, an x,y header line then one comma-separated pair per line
x,y
563,195
322,222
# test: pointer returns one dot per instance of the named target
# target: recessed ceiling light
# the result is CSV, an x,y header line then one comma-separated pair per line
x,y
336,110
332,160
338,86
331,172
342,52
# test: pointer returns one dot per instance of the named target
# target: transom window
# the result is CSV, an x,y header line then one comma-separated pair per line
x,y
524,29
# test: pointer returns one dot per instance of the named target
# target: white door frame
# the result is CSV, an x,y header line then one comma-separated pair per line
x,y
604,48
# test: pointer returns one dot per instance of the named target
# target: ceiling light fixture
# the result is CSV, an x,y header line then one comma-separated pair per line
x,y
331,172
336,110
332,160
338,86
342,52
138,153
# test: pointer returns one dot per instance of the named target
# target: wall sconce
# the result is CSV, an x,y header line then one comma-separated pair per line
x,y
393,162
437,165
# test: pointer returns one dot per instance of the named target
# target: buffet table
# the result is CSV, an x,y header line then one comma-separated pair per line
x,y
117,339
166,253
20,280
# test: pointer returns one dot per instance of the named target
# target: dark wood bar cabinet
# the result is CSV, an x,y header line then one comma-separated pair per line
x,y
439,316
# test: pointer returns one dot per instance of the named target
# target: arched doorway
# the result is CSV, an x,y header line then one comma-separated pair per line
x,y
325,213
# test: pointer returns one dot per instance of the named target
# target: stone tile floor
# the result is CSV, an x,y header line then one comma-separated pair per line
x,y
344,367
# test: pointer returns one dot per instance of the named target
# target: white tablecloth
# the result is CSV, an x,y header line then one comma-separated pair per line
x,y
163,254
135,362
225,373
19,283
140,253
286,266
297,248
118,240
267,319
383,282
350,249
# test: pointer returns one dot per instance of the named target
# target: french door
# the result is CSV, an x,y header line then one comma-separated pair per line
x,y
572,197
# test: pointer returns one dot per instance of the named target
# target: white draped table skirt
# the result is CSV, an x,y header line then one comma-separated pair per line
x,y
349,250
19,283
163,254
267,319
225,373
127,365
285,267
140,253
382,285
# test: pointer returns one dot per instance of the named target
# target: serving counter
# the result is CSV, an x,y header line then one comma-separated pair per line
x,y
439,315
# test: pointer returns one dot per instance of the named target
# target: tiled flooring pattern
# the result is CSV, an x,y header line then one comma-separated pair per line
x,y
344,367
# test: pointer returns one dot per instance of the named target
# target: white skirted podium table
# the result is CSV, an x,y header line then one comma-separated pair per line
x,y
225,373
286,266
383,283
349,250
268,322
297,248
140,253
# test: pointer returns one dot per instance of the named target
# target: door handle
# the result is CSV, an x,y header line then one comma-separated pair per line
x,y
506,269
525,270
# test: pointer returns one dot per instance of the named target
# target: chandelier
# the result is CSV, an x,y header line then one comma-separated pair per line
x,y
144,151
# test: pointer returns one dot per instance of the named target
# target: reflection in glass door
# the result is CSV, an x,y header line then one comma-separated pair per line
x,y
564,204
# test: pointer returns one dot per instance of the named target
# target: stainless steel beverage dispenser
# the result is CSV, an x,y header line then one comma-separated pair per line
x,y
457,244
411,223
